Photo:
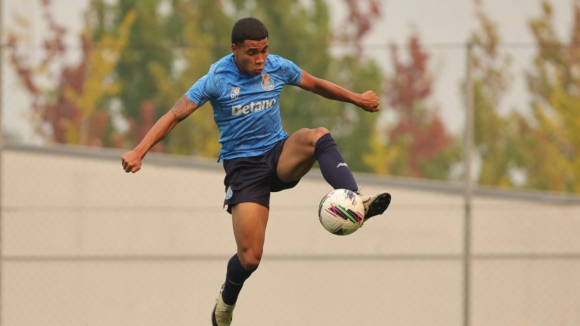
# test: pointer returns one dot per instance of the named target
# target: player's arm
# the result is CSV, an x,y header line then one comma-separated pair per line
x,y
180,110
368,101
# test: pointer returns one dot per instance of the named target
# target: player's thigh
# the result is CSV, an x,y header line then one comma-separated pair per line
x,y
297,155
249,222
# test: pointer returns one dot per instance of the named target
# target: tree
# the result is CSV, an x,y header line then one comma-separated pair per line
x,y
68,106
202,41
418,145
188,36
148,46
172,43
360,22
496,137
554,155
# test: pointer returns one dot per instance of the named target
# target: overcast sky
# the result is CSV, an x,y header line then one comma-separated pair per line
x,y
443,25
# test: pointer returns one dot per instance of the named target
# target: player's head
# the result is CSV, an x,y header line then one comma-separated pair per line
x,y
248,29
250,45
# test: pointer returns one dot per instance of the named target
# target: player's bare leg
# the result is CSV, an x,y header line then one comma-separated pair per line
x,y
306,146
297,156
249,223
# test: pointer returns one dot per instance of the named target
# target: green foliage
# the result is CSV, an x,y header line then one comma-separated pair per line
x,y
169,44
201,42
495,141
170,49
149,48
554,154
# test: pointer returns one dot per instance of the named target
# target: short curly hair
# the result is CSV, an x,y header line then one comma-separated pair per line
x,y
248,29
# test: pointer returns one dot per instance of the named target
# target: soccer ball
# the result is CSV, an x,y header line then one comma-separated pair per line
x,y
341,212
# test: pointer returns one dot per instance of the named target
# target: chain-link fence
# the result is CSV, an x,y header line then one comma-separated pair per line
x,y
83,243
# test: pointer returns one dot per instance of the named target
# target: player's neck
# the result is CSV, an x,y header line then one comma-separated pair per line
x,y
240,68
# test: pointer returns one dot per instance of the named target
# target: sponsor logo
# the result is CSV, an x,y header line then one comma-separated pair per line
x,y
267,82
229,193
253,106
341,164
235,92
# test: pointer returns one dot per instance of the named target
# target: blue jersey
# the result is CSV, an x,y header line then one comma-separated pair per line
x,y
246,108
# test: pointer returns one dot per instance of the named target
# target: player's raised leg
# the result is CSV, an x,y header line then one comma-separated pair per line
x,y
249,223
306,146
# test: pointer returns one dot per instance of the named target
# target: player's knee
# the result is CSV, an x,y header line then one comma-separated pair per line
x,y
317,133
252,264
250,260
321,131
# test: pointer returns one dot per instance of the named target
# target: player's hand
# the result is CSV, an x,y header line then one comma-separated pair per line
x,y
131,162
370,101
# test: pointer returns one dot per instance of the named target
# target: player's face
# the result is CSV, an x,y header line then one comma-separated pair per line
x,y
250,57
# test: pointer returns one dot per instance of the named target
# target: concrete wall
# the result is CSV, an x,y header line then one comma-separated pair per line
x,y
84,243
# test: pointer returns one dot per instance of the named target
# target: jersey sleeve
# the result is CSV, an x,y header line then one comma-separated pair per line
x,y
202,91
292,73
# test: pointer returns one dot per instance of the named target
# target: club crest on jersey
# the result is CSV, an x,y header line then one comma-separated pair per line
x,y
235,92
267,82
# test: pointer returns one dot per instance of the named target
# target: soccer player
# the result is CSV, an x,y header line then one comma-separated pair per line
x,y
258,156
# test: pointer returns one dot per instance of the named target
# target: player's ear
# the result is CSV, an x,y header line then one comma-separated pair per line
x,y
234,48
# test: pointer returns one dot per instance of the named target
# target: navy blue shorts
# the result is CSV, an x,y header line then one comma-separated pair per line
x,y
252,179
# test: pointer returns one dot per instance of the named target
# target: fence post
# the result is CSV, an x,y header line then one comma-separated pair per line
x,y
1,152
468,191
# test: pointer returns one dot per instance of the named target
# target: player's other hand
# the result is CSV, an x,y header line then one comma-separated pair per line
x,y
370,101
131,162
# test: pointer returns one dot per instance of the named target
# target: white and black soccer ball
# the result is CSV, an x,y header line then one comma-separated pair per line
x,y
341,212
